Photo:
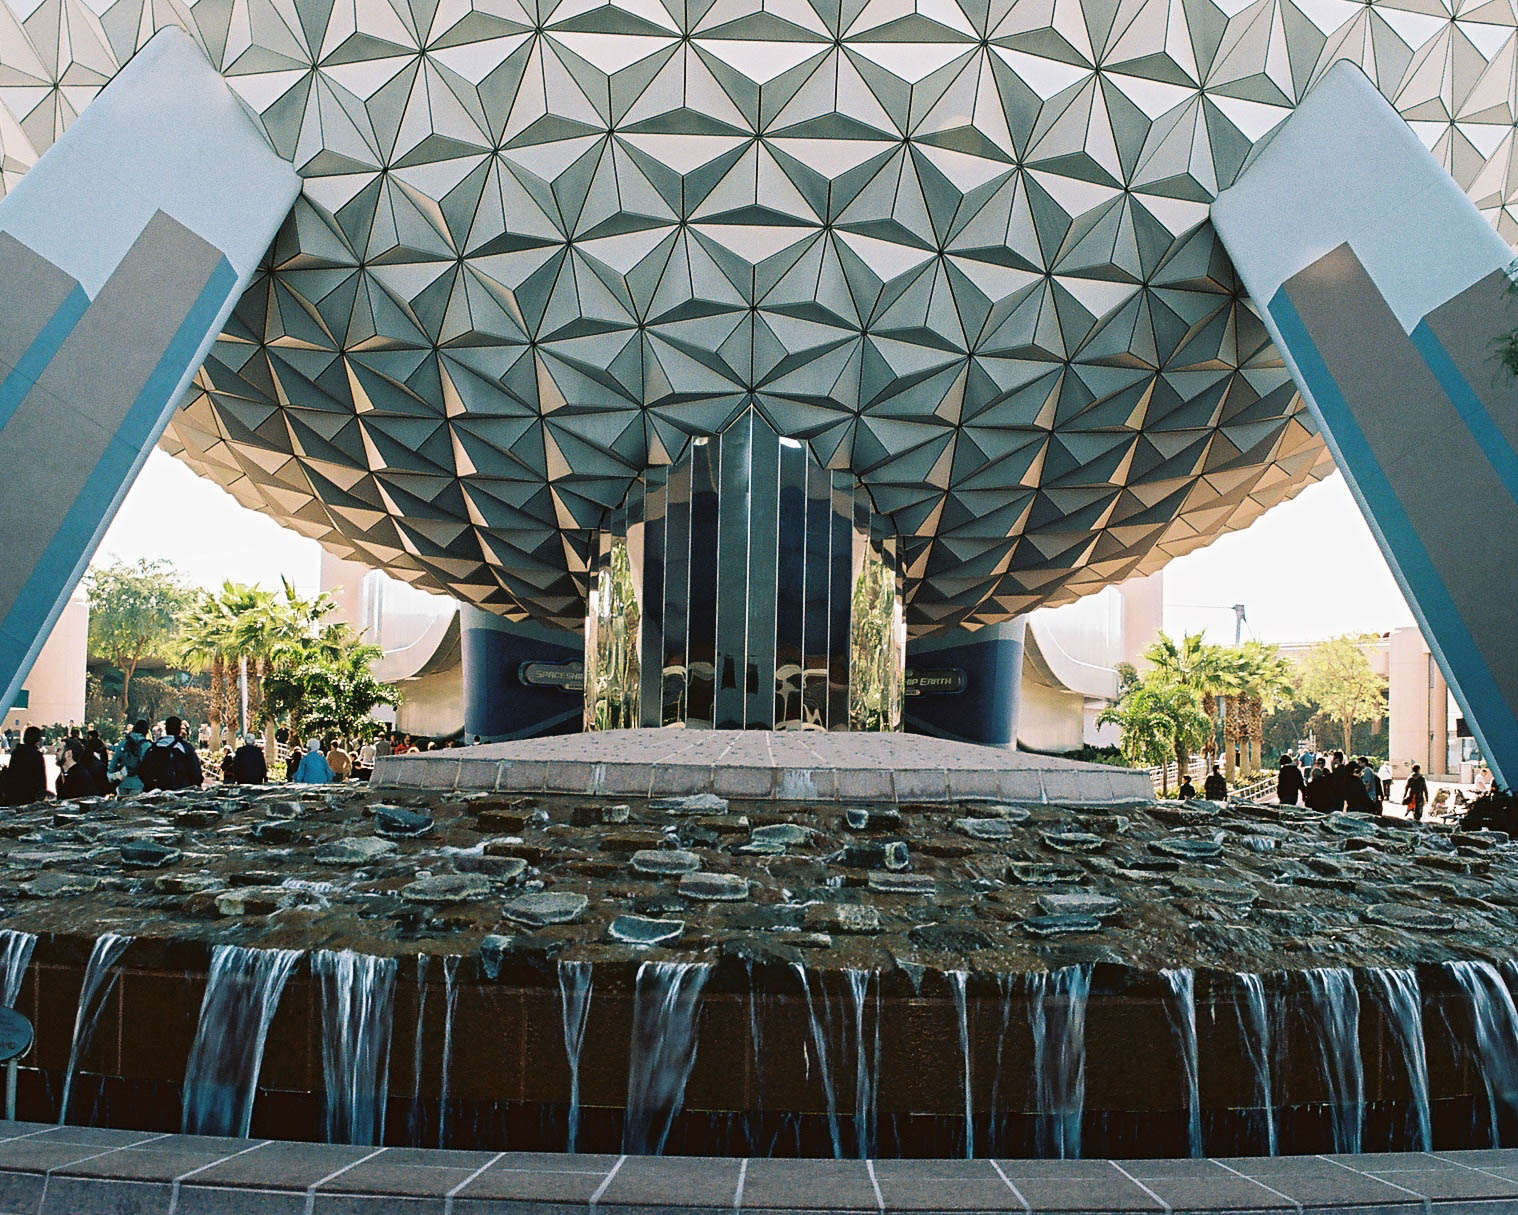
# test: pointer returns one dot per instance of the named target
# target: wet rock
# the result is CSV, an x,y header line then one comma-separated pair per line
x,y
533,854
774,917
787,835
145,854
501,868
396,822
1416,919
541,908
56,885
846,918
447,888
631,841
1216,890
619,813
947,849
1040,873
1000,810
665,862
1478,839
949,938
637,930
184,883
507,822
251,901
1074,841
872,818
875,854
1453,863
1060,925
1187,849
714,887
1187,814
1088,903
991,830
903,883
275,831
355,850
196,819
695,803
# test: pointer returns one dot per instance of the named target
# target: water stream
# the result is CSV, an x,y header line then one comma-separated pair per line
x,y
662,1050
1402,1002
358,1003
1255,1033
445,1067
221,1077
1494,1041
575,979
958,983
414,1114
1057,1017
819,1022
1335,1006
866,1061
1181,1009
15,955
100,975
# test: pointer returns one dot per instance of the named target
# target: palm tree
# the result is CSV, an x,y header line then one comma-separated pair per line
x,y
1266,682
206,643
1145,739
1204,668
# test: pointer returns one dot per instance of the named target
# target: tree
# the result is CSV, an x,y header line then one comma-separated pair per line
x,y
1193,662
1266,681
329,693
134,611
1159,720
1337,674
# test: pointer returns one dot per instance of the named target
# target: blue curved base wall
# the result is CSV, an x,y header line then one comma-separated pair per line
x,y
497,705
985,711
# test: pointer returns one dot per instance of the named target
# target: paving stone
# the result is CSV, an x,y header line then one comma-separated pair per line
x,y
715,887
540,908
665,862
448,888
640,930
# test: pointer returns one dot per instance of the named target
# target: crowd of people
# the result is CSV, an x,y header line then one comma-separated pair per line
x,y
1333,781
170,755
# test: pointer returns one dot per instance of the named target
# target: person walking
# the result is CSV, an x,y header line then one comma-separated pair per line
x,y
1289,784
367,754
26,776
1215,787
1415,794
205,735
339,761
249,767
95,745
313,768
1187,791
171,762
128,758
81,774
1371,781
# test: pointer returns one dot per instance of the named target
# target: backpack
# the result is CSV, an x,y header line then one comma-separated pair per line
x,y
133,748
165,767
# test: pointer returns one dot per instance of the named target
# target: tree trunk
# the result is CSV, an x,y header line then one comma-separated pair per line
x,y
126,685
1210,748
1349,725
218,695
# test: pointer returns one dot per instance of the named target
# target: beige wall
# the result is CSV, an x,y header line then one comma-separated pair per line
x,y
1419,729
434,704
56,684
1049,719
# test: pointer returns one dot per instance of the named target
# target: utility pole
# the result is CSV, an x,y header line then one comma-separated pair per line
x,y
1238,624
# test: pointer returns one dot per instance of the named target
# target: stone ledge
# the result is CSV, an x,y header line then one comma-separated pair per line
x,y
764,766
48,1170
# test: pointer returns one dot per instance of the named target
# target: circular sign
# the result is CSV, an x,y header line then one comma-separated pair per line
x,y
15,1035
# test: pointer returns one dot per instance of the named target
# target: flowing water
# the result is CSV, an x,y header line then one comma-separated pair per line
x,y
445,1068
819,1022
1057,1016
866,1060
1335,1006
998,1122
958,983
1254,1032
1181,1009
575,979
1402,1002
1494,1041
15,955
100,975
414,1115
221,1077
358,1003
666,1008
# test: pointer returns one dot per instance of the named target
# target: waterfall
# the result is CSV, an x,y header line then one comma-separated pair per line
x,y
1402,1002
958,981
866,1061
358,1001
221,1077
819,1025
1005,985
1254,1032
414,1117
450,1005
575,980
15,955
1336,1007
100,975
756,1043
1495,1036
666,1006
1181,1009
1057,1016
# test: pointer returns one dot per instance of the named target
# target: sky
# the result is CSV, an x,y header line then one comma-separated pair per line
x,y
1306,570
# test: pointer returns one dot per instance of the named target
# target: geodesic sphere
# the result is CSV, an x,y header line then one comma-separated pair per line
x,y
961,248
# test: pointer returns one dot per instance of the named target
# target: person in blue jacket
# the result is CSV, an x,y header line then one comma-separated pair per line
x,y
314,769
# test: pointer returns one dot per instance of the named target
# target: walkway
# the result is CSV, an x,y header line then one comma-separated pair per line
x,y
760,765
47,1170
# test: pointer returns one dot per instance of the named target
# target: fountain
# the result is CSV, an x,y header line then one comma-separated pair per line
x,y
1335,1003
575,979
100,975
445,1067
818,1024
866,1061
958,984
1401,1003
15,952
358,993
1057,1014
1494,1039
1182,1010
1254,1033
662,1050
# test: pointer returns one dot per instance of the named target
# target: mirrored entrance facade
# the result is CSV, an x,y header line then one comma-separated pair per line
x,y
745,587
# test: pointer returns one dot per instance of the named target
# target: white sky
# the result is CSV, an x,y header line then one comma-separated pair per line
x,y
1306,570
